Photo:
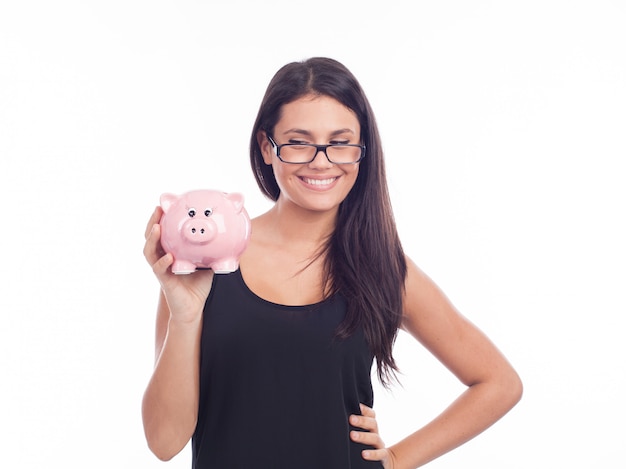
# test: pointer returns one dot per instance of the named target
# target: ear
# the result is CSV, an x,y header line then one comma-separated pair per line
x,y
266,147
167,200
237,199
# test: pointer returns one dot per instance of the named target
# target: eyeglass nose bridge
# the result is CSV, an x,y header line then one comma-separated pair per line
x,y
323,149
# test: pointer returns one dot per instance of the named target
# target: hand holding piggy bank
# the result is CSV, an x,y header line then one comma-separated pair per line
x,y
204,228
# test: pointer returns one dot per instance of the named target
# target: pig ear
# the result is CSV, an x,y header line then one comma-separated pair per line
x,y
237,199
167,200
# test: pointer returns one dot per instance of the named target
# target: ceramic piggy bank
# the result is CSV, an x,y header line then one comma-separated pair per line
x,y
204,229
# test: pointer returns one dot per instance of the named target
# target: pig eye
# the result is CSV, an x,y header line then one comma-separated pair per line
x,y
208,212
191,212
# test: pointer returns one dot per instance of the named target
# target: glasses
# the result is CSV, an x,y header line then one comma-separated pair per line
x,y
301,153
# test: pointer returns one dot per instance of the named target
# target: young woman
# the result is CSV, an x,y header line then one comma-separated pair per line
x,y
269,367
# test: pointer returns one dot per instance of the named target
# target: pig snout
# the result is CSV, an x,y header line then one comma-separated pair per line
x,y
199,231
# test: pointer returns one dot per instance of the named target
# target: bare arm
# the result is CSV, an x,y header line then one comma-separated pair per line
x,y
493,385
170,403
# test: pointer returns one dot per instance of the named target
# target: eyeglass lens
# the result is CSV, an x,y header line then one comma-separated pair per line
x,y
306,153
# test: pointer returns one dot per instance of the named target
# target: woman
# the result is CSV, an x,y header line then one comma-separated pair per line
x,y
269,367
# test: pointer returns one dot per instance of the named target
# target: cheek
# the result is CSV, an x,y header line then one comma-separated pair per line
x,y
352,178
353,174
282,175
279,171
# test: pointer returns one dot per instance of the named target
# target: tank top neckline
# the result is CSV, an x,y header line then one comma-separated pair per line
x,y
248,291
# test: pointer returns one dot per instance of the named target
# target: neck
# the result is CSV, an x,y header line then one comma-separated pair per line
x,y
300,227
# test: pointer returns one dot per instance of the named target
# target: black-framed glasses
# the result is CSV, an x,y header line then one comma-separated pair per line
x,y
301,153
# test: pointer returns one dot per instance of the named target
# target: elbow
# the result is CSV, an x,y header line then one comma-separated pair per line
x,y
164,439
511,389
160,454
166,432
503,390
164,448
518,389
163,454
515,385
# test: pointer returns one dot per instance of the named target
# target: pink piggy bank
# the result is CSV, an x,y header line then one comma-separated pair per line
x,y
205,229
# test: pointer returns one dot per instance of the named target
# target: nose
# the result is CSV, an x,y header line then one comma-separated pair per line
x,y
199,231
320,161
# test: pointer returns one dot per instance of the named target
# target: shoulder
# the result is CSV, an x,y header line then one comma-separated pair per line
x,y
420,291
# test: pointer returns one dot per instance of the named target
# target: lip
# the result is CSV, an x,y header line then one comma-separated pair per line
x,y
319,183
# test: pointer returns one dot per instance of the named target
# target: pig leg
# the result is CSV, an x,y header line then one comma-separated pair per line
x,y
225,266
183,267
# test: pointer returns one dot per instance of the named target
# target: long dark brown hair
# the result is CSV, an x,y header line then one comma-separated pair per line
x,y
363,258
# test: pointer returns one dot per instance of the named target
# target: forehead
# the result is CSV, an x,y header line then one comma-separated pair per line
x,y
317,113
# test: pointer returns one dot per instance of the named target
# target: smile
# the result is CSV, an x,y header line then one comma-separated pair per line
x,y
319,182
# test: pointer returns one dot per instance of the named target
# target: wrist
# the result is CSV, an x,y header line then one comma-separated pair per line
x,y
184,322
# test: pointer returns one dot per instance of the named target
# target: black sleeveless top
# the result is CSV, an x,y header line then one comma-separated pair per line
x,y
276,386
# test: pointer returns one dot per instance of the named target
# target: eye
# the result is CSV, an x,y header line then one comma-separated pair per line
x,y
295,142
208,212
192,212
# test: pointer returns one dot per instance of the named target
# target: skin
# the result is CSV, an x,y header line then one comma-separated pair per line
x,y
284,241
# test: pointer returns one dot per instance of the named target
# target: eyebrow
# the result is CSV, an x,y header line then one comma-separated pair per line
x,y
309,134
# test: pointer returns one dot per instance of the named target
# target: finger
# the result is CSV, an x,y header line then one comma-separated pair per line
x,y
375,454
367,438
367,411
161,266
366,423
154,218
152,249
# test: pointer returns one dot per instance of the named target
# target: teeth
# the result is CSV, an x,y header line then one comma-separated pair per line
x,y
319,182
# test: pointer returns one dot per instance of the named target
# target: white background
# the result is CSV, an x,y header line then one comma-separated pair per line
x,y
504,129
